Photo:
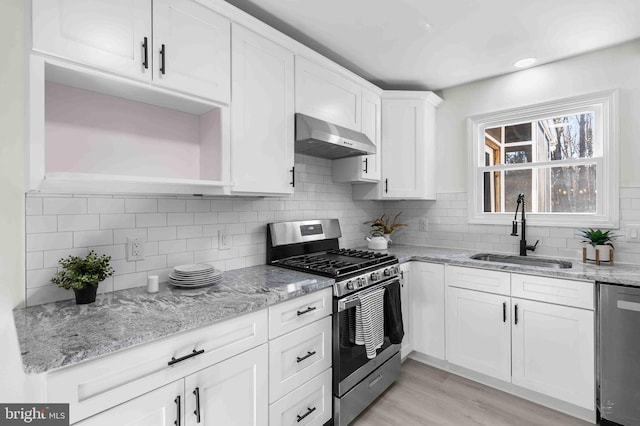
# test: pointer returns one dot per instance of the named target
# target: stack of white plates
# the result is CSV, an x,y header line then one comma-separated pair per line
x,y
194,275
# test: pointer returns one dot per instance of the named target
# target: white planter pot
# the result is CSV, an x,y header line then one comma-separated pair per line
x,y
604,252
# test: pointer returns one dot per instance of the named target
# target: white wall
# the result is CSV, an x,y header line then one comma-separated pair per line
x,y
11,194
617,67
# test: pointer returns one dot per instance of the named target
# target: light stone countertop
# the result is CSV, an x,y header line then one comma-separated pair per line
x,y
60,334
627,274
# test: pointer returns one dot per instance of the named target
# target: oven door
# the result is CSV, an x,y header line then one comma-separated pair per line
x,y
350,362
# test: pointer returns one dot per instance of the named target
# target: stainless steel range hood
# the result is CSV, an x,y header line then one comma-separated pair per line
x,y
322,139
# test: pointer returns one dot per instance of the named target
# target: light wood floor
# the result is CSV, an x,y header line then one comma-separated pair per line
x,y
427,396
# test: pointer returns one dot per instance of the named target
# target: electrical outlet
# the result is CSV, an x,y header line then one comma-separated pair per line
x,y
224,239
423,224
633,233
135,248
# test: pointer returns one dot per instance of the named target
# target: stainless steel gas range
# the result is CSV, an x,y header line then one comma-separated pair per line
x,y
361,372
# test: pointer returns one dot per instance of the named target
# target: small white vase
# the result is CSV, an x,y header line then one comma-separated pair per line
x,y
388,238
604,252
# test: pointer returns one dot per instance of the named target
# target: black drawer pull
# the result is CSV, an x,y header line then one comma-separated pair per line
x,y
163,53
386,185
504,311
196,392
178,421
309,353
516,315
309,411
145,47
306,311
182,358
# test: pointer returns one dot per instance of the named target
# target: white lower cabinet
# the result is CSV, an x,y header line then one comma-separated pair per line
x,y
233,392
478,333
405,290
308,405
427,309
553,352
300,358
538,336
161,407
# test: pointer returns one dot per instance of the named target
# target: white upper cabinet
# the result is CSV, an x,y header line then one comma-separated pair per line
x,y
262,115
365,168
108,34
328,95
191,49
408,147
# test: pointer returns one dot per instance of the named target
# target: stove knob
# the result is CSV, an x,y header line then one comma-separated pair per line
x,y
350,285
387,272
373,276
362,282
396,270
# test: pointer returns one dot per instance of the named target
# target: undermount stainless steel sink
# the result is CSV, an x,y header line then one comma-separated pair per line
x,y
522,260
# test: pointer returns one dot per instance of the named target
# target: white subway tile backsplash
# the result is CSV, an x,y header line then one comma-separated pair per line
x,y
63,206
141,205
174,219
49,241
82,222
105,205
195,244
228,217
123,282
151,248
34,260
92,238
117,221
146,220
172,246
175,259
52,258
194,231
33,206
198,205
39,224
46,294
208,218
123,266
221,205
161,233
120,235
173,206
116,251
40,277
151,262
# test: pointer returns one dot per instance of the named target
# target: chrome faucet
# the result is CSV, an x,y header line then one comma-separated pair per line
x,y
514,230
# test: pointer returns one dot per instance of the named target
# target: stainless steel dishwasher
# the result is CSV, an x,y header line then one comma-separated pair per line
x,y
619,354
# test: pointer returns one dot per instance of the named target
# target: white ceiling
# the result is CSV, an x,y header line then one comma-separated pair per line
x,y
435,44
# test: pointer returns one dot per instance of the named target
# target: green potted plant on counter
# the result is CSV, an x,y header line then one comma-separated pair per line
x,y
385,225
83,275
600,246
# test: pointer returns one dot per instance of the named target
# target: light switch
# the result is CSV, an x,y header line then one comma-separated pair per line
x,y
633,233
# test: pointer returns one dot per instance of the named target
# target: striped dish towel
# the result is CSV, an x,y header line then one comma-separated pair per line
x,y
370,321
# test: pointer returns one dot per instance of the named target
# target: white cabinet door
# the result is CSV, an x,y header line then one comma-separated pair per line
x,y
365,168
427,309
232,392
324,93
261,114
553,351
479,332
161,407
192,49
107,34
405,290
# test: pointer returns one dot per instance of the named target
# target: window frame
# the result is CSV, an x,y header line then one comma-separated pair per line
x,y
607,167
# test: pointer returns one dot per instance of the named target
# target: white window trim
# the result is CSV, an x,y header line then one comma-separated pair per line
x,y
608,171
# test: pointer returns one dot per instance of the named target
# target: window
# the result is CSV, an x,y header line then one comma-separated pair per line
x,y
562,155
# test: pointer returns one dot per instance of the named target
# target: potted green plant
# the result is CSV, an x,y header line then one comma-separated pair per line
x,y
83,275
600,241
385,225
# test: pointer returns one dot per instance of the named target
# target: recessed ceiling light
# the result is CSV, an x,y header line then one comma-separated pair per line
x,y
524,62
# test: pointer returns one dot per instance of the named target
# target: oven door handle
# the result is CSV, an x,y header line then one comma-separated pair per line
x,y
350,302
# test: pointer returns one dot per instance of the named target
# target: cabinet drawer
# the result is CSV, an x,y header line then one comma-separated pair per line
x,y
288,316
297,357
94,386
314,398
553,290
479,279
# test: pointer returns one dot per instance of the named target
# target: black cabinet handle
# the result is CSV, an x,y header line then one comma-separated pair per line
x,y
175,360
366,165
309,411
293,176
163,53
145,47
504,311
309,353
178,422
306,311
386,185
196,392
516,315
